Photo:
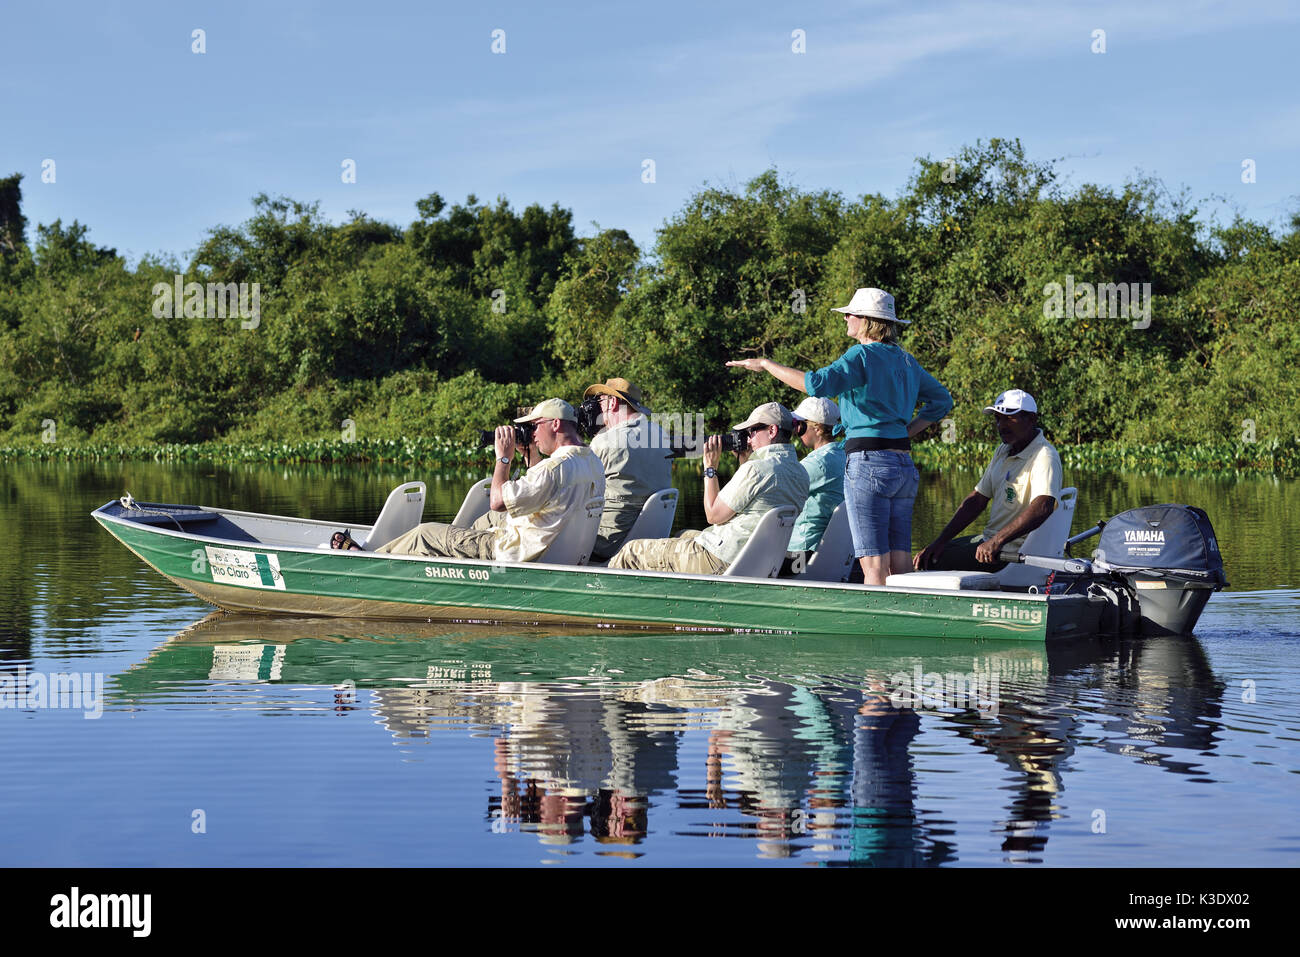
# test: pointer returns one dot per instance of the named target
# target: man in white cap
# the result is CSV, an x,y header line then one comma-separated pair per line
x,y
824,464
1023,483
637,457
770,478
536,506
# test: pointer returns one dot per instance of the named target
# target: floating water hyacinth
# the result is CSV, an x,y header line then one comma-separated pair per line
x,y
1276,457
434,452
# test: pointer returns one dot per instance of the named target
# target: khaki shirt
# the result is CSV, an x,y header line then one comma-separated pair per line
x,y
772,477
638,462
539,503
1011,482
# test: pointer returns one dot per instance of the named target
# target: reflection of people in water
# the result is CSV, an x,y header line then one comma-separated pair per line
x,y
570,756
757,734
836,747
875,748
1034,742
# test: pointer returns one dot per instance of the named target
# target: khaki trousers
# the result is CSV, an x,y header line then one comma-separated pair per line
x,y
680,554
443,541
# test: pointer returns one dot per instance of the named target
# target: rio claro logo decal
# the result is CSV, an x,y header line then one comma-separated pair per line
x,y
1011,617
231,566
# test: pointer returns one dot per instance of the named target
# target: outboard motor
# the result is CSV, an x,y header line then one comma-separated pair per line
x,y
1169,558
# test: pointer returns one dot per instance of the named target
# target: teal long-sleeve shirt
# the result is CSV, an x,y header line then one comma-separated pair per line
x,y
879,385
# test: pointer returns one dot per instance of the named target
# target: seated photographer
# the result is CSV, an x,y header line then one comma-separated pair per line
x,y
770,478
637,459
535,507
815,419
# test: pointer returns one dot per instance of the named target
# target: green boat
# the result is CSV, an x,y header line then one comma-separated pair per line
x,y
251,562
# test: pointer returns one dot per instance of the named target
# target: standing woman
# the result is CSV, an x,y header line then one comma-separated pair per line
x,y
879,386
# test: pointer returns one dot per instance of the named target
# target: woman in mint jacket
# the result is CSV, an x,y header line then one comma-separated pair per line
x,y
879,386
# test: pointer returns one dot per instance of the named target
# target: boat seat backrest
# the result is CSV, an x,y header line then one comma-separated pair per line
x,y
577,536
477,502
656,518
401,513
833,560
1047,541
763,553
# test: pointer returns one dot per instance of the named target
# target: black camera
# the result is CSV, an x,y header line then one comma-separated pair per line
x,y
523,435
735,441
589,416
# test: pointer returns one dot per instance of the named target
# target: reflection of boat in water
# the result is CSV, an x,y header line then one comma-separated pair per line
x,y
244,561
378,653
808,743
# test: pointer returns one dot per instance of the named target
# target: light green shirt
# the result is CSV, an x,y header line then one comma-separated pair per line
x,y
825,468
770,479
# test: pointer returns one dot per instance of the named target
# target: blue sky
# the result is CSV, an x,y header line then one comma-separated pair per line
x,y
154,144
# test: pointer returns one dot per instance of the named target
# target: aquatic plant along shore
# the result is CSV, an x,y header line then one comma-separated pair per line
x,y
1278,458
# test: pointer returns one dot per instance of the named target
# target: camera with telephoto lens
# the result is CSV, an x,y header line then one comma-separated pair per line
x,y
735,441
523,435
589,417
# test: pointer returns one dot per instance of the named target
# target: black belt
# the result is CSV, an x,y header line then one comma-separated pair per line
x,y
877,445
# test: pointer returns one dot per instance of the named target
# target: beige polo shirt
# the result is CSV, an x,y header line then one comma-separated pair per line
x,y
772,477
638,463
539,503
1011,482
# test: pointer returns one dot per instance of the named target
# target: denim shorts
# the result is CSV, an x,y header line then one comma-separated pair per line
x,y
879,489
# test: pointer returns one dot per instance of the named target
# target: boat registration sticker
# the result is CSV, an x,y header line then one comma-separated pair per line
x,y
231,566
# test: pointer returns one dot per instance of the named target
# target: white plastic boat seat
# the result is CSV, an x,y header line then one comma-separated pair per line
x,y
401,513
477,502
577,538
765,551
833,560
953,581
656,518
1047,541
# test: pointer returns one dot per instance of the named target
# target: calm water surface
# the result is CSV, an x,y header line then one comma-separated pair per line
x,y
228,740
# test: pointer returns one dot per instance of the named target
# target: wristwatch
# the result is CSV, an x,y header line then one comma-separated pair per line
x,y
710,472
503,460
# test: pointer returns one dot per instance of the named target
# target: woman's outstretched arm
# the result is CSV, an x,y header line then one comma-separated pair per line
x,y
790,376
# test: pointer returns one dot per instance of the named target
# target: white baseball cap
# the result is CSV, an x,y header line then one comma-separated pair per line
x,y
872,302
1013,401
813,409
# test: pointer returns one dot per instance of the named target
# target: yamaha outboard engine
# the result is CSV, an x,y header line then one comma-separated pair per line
x,y
1169,558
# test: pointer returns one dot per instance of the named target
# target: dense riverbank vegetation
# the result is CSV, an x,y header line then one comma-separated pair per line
x,y
371,338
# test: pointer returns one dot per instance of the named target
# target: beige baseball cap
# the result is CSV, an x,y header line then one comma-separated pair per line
x,y
551,409
770,413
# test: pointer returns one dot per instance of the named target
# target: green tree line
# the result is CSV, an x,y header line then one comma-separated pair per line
x,y
449,324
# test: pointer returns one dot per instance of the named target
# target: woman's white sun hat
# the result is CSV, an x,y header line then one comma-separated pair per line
x,y
875,303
